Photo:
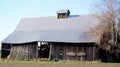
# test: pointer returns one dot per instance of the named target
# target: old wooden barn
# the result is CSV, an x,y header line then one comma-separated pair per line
x,y
61,37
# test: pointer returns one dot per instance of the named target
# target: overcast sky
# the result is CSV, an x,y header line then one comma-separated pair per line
x,y
12,11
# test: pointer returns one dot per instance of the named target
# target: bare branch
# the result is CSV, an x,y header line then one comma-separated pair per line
x,y
109,14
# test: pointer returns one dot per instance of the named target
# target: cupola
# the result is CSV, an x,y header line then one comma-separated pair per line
x,y
63,13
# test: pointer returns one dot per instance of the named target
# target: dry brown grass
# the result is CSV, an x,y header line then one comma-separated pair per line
x,y
56,64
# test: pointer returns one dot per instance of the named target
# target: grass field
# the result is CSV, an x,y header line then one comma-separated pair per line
x,y
56,65
6,63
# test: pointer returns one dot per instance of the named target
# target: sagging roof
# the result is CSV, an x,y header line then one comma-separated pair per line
x,y
72,29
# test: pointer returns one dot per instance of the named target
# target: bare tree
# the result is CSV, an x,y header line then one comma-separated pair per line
x,y
109,15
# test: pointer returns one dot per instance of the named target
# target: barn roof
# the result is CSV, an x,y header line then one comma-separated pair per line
x,y
72,29
63,11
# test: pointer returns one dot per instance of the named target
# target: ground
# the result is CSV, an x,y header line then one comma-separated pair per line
x,y
56,64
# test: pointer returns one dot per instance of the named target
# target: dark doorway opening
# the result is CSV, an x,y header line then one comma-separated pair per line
x,y
5,50
43,50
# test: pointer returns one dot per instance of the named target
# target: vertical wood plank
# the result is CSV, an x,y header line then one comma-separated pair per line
x,y
50,51
36,51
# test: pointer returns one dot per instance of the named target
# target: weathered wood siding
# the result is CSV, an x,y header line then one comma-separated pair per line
x,y
23,51
67,51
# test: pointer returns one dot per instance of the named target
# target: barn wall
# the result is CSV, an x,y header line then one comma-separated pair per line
x,y
67,51
23,51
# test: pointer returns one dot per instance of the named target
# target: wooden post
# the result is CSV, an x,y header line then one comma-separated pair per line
x,y
93,53
37,51
50,51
